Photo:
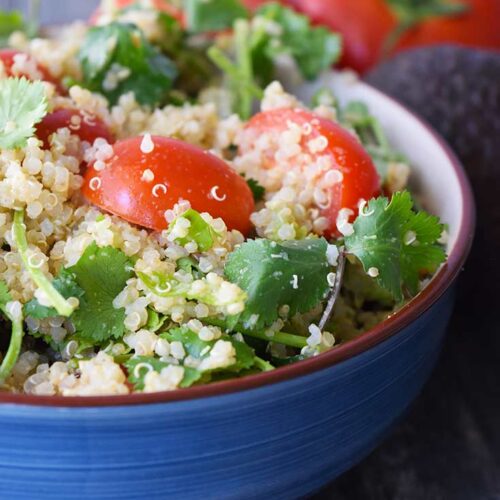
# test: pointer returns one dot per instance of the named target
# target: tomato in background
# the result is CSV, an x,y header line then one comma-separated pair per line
x,y
366,26
360,179
7,57
140,186
88,128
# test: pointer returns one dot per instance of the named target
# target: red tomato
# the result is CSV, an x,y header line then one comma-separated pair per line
x,y
179,170
88,128
477,27
7,58
366,25
161,5
360,177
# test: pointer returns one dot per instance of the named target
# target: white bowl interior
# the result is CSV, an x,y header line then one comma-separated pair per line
x,y
433,175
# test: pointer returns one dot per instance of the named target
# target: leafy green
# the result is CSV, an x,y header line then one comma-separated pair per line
x,y
357,116
57,301
257,190
121,51
16,336
102,274
212,15
199,232
397,243
155,320
292,273
10,21
139,366
22,106
66,285
200,349
314,49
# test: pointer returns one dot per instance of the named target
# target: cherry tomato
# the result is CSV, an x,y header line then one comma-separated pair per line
x,y
366,25
477,27
88,128
7,58
140,187
161,5
360,179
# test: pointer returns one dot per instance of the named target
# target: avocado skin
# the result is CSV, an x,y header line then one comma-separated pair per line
x,y
457,90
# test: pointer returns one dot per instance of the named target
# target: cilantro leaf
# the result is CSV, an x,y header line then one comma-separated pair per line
x,y
139,366
257,190
356,115
397,243
200,349
66,285
314,49
117,58
10,21
102,274
22,106
199,231
212,15
292,273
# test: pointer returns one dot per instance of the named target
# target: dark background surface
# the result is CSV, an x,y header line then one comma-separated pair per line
x,y
448,444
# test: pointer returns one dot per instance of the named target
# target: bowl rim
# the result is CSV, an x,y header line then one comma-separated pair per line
x,y
440,283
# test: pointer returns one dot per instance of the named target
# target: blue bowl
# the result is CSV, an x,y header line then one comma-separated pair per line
x,y
281,434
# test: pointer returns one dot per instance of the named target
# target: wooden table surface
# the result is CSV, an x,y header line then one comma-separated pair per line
x,y
448,445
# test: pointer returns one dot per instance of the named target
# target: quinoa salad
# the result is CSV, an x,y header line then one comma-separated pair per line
x,y
170,216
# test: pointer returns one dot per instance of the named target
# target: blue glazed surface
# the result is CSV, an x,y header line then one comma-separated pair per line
x,y
279,441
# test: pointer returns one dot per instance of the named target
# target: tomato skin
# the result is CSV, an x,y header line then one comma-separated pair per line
x,y
186,171
360,177
365,26
7,58
88,130
161,5
477,27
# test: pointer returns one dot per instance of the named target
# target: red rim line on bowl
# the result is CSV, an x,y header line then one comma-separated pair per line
x,y
402,318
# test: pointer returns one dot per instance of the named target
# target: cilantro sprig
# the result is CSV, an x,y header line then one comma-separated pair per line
x,y
292,273
395,244
22,106
204,16
95,280
57,301
16,336
117,58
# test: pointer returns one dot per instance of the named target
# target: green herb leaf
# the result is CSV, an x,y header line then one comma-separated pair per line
x,y
257,190
292,273
212,15
102,274
397,243
22,106
58,302
199,232
10,21
139,366
200,349
66,285
356,115
4,295
314,49
117,58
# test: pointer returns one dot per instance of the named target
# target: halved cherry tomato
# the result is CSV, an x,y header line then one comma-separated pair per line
x,y
140,187
360,179
87,127
7,57
161,5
